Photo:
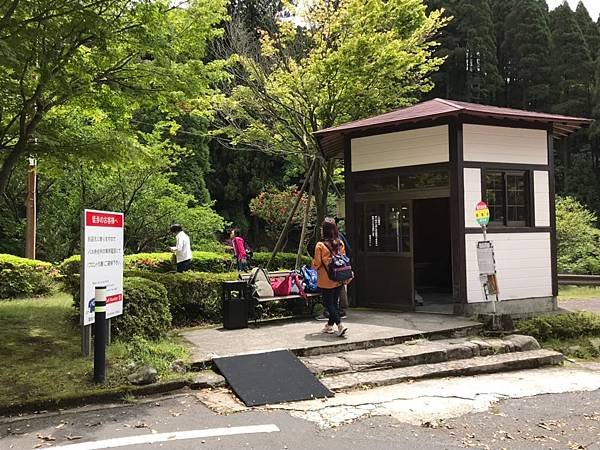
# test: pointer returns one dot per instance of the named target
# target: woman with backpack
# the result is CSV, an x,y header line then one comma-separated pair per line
x,y
333,271
239,250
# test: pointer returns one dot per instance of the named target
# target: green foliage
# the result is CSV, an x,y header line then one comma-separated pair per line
x,y
351,60
561,326
145,310
142,189
21,277
194,297
72,73
163,262
578,240
470,71
285,261
572,67
201,262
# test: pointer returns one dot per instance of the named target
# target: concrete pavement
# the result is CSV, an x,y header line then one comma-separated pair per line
x,y
366,328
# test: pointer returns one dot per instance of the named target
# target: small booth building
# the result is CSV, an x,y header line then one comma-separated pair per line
x,y
413,179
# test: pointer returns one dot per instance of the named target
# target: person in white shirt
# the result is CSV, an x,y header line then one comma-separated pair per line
x,y
182,249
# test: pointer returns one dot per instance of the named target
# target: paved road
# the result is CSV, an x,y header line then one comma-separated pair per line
x,y
570,420
588,304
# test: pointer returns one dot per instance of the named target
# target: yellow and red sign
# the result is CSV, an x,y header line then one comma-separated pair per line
x,y
482,213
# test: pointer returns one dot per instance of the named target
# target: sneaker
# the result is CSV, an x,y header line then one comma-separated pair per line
x,y
343,316
341,330
328,329
323,317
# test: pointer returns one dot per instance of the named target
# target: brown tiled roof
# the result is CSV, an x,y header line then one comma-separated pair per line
x,y
331,140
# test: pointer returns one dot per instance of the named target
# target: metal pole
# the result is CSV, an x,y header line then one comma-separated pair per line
x,y
31,209
100,335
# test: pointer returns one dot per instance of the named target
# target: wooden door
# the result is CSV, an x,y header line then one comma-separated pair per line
x,y
384,274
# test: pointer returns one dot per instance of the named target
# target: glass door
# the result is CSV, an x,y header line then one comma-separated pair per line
x,y
385,270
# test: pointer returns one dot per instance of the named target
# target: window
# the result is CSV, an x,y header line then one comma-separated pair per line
x,y
507,196
395,183
387,228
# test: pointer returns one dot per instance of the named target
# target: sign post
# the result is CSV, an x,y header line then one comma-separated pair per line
x,y
101,266
485,257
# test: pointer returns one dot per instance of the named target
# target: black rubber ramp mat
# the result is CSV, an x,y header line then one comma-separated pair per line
x,y
269,378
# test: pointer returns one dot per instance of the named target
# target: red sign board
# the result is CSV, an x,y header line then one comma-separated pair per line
x,y
103,219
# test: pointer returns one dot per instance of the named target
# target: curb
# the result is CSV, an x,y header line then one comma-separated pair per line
x,y
114,394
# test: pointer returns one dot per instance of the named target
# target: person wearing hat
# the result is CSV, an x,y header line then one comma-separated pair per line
x,y
182,249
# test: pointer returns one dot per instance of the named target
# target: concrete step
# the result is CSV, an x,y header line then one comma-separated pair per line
x,y
471,366
416,352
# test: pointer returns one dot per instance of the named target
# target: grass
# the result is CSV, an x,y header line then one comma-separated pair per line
x,y
578,292
41,354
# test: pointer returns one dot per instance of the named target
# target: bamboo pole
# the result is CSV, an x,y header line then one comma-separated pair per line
x,y
304,226
288,222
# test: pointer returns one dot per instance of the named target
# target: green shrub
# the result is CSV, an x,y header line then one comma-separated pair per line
x,y
194,297
561,326
145,310
22,277
282,260
578,240
201,262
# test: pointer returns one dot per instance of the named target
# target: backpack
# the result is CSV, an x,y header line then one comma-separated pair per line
x,y
309,276
282,286
248,250
339,269
259,280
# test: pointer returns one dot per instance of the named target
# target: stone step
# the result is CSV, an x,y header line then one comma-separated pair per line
x,y
412,353
477,365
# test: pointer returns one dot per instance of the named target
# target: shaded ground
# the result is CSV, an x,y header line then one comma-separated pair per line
x,y
40,353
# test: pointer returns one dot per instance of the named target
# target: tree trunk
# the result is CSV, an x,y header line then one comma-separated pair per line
x,y
9,163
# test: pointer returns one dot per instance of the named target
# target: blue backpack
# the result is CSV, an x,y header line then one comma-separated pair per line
x,y
309,277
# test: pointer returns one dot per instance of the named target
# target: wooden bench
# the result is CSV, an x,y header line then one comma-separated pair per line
x,y
256,303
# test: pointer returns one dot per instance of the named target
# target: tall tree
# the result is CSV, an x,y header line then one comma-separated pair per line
x,y
589,28
350,59
572,66
470,71
500,10
72,71
526,47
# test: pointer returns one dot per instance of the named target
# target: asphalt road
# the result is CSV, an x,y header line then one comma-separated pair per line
x,y
556,421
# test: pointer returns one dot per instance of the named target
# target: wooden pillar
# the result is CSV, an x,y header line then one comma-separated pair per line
x,y
30,236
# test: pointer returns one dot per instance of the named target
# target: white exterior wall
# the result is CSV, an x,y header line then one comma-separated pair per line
x,y
542,198
523,262
401,149
472,195
504,145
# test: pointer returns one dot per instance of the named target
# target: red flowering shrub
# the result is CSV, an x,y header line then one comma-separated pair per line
x,y
274,205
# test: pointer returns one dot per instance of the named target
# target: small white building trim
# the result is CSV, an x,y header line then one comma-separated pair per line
x,y
504,145
400,149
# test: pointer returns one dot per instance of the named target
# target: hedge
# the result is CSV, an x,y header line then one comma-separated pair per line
x,y
194,297
562,326
201,262
22,277
145,310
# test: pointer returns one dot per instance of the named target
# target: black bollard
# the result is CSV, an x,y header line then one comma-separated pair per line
x,y
100,335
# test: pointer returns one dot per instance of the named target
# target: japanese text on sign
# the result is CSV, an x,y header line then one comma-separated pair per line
x,y
101,262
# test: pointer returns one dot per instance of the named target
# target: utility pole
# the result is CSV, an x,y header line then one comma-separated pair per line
x,y
31,209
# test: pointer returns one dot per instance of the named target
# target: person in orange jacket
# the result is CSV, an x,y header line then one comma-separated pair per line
x,y
329,245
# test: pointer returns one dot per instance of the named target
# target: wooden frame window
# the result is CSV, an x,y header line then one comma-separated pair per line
x,y
508,196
